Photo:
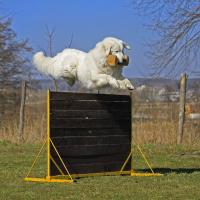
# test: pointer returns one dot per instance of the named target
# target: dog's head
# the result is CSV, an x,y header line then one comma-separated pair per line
x,y
113,46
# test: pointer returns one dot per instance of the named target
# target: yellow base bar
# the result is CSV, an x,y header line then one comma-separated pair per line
x,y
48,180
150,174
59,178
132,173
92,174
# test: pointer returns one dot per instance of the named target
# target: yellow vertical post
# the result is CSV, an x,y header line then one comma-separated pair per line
x,y
131,130
48,135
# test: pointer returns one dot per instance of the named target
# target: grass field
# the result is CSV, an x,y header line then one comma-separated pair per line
x,y
181,180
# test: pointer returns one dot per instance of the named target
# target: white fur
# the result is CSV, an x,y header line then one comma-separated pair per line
x,y
90,69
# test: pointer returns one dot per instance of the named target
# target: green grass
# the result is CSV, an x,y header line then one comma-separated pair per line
x,y
181,180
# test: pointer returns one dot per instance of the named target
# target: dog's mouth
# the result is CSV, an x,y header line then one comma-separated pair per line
x,y
125,61
119,63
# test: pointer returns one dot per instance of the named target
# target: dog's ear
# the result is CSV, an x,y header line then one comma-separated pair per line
x,y
126,46
107,49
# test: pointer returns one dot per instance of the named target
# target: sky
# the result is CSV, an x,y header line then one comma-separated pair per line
x,y
90,21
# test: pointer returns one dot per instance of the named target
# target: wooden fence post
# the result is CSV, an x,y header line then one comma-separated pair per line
x,y
22,112
181,108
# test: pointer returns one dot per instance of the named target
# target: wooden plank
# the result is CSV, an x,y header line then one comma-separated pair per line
x,y
89,123
89,105
91,140
182,108
89,168
87,96
57,132
95,114
89,159
77,150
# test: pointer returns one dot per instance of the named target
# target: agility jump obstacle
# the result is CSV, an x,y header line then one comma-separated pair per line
x,y
88,135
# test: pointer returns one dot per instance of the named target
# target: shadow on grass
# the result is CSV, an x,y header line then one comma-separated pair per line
x,y
169,170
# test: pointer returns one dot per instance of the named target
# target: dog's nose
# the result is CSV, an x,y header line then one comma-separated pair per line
x,y
123,59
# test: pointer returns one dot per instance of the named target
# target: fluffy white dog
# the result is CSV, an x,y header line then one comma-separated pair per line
x,y
90,69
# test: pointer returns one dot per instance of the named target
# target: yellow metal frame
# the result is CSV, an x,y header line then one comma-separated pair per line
x,y
69,178
48,135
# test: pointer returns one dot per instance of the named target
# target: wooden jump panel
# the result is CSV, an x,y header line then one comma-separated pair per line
x,y
88,140
91,132
89,105
89,159
89,123
87,96
57,132
88,114
79,164
95,149
90,168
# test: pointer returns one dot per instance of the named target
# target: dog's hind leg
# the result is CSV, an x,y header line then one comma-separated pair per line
x,y
69,81
68,70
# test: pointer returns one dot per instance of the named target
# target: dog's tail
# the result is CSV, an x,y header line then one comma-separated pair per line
x,y
45,64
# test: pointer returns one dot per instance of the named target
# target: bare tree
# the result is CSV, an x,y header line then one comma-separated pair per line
x,y
176,27
71,43
14,65
48,51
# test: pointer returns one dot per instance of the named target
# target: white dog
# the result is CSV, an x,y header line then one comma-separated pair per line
x,y
90,69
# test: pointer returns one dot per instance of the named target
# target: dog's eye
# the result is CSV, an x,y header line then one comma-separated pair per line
x,y
116,51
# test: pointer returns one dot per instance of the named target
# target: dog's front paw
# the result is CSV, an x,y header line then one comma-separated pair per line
x,y
130,87
114,83
128,84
